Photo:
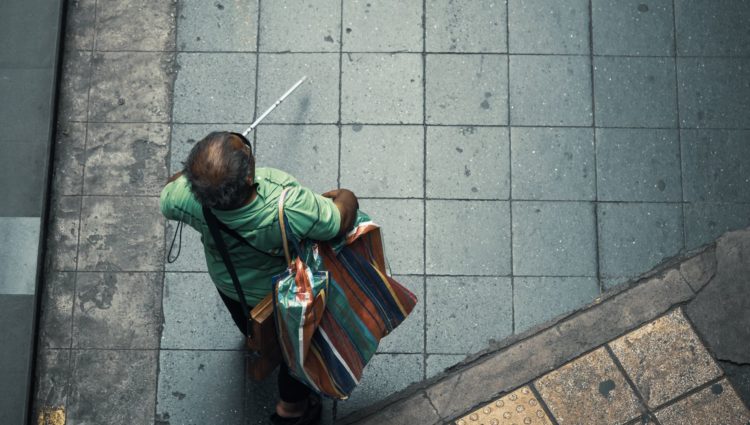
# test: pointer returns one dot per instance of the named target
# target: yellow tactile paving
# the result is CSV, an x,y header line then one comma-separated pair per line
x,y
718,404
52,416
517,408
665,358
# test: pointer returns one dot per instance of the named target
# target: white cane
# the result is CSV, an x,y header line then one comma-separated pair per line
x,y
277,103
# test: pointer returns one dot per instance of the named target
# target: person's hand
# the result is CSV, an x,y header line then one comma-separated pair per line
x,y
347,204
332,193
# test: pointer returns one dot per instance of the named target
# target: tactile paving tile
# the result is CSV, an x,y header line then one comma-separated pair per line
x,y
517,408
51,416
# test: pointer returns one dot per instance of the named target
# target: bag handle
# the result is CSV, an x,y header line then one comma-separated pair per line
x,y
282,224
213,226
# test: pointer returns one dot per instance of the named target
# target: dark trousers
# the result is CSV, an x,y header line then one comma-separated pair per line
x,y
290,389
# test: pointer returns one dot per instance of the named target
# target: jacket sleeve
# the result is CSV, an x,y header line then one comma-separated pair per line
x,y
177,201
312,216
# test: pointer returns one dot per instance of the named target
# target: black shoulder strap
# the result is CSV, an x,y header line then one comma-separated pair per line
x,y
234,234
213,226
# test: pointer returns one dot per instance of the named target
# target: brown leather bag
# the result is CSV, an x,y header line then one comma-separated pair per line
x,y
264,352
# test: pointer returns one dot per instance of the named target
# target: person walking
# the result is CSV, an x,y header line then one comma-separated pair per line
x,y
220,174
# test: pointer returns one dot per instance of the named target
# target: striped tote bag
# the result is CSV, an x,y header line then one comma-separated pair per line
x,y
333,306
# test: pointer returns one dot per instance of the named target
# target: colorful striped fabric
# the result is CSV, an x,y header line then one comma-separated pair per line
x,y
362,305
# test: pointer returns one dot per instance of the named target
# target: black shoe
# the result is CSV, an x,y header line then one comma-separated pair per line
x,y
311,416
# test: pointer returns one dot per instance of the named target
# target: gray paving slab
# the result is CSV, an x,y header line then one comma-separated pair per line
x,y
712,92
112,387
73,101
191,256
549,27
135,25
704,222
467,89
300,26
62,233
24,186
468,237
466,313
538,299
201,387
121,234
67,176
17,316
437,363
714,165
21,50
224,83
309,153
260,399
638,165
117,310
184,137
135,164
384,375
227,25
403,231
719,311
81,25
466,26
131,87
739,376
53,377
371,27
467,163
712,29
554,238
634,237
409,336
31,91
550,90
635,92
195,317
56,314
633,27
553,163
18,254
394,160
381,88
315,101
700,269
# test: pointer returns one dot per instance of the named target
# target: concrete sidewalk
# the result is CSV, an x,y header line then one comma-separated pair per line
x,y
670,349
524,157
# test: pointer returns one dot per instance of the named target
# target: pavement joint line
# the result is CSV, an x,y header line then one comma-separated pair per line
x,y
416,52
641,400
679,120
341,83
597,254
542,402
413,124
257,72
83,183
424,193
510,171
168,160
695,390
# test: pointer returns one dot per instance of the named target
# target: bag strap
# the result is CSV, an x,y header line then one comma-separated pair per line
x,y
234,234
282,225
213,226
